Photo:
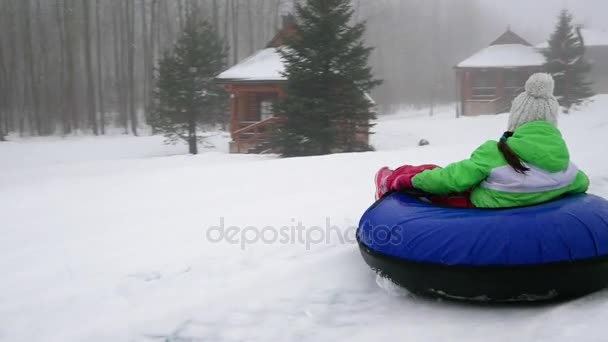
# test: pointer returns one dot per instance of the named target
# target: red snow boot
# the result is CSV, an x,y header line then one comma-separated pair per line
x,y
380,180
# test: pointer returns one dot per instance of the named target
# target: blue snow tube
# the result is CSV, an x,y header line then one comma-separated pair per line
x,y
550,251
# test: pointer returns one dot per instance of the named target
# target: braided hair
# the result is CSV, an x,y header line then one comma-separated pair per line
x,y
510,156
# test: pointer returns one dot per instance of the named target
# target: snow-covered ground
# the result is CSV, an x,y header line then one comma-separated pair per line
x,y
114,239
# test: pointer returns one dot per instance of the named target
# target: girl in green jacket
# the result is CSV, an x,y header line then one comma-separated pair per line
x,y
530,164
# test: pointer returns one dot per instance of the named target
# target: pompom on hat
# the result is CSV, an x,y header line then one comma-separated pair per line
x,y
537,103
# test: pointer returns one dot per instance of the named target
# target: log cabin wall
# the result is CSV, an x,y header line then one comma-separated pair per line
x,y
491,91
246,100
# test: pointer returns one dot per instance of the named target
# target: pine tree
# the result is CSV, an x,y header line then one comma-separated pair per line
x,y
328,79
3,131
566,62
185,95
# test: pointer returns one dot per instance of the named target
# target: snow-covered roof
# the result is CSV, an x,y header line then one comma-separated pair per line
x,y
264,65
504,56
592,38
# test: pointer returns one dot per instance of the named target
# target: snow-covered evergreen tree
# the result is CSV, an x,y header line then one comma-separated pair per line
x,y
566,62
185,93
328,79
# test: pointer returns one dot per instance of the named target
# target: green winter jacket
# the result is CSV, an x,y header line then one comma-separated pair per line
x,y
495,184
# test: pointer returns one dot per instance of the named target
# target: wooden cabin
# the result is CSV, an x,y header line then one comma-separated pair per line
x,y
254,85
489,80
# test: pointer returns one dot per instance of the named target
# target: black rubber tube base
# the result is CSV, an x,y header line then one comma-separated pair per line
x,y
493,284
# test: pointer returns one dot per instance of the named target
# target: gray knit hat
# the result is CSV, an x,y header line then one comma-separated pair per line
x,y
536,103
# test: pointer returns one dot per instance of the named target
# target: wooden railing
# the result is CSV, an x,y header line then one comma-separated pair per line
x,y
504,104
488,94
252,134
483,93
245,124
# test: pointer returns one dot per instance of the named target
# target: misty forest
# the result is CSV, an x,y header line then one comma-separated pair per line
x,y
69,66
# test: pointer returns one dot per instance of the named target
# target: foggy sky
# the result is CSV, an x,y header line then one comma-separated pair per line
x,y
535,19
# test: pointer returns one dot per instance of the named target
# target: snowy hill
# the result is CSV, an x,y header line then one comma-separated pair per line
x,y
110,239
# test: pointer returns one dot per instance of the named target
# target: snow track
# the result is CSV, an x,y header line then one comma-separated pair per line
x,y
106,239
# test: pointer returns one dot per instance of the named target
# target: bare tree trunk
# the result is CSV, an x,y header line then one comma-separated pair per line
x,y
262,12
192,142
146,55
117,57
161,31
124,47
24,86
180,14
251,30
3,130
100,83
131,65
227,22
72,106
277,14
234,6
61,107
215,14
88,62
193,8
192,139
3,93
9,64
33,89
12,34
44,125
436,52
152,38
169,29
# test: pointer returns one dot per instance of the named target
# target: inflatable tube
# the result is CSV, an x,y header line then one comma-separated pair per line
x,y
555,250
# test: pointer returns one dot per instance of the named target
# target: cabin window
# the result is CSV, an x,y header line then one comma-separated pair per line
x,y
484,85
514,82
266,110
266,106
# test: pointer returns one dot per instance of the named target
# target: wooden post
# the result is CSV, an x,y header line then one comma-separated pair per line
x,y
500,84
233,113
458,92
500,91
467,91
